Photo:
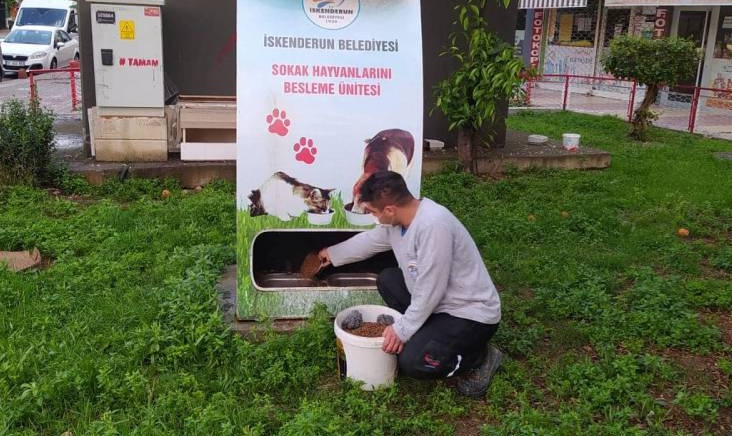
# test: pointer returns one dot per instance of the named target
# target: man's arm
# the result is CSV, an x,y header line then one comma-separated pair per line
x,y
359,247
431,274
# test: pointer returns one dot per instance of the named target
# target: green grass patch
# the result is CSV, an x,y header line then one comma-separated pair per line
x,y
120,333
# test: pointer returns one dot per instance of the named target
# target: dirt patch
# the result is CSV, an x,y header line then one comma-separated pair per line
x,y
562,337
698,374
78,199
368,330
678,420
470,426
723,321
708,270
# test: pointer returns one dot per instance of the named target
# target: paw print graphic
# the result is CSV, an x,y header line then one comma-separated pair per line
x,y
305,151
278,122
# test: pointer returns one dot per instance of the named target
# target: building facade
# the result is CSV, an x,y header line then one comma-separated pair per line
x,y
570,36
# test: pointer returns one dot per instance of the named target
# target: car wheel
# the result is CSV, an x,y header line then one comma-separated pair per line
x,y
54,64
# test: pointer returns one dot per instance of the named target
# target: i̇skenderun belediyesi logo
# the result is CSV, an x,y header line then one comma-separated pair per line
x,y
332,14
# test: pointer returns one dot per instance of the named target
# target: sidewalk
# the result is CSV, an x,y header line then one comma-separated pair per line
x,y
710,120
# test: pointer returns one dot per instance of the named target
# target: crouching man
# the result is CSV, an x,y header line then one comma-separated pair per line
x,y
450,306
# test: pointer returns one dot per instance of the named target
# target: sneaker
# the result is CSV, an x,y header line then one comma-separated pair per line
x,y
474,383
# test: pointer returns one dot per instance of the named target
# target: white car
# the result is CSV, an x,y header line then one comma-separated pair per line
x,y
37,48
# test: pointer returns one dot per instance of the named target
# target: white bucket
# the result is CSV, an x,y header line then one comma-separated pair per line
x,y
571,141
364,359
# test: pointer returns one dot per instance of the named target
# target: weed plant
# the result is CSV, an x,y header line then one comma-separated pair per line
x,y
26,145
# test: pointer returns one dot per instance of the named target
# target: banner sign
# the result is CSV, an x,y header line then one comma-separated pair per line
x,y
537,26
661,23
328,92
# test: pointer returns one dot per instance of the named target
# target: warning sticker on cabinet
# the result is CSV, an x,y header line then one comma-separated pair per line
x,y
126,29
152,12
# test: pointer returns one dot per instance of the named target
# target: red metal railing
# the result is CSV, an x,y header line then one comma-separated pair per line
x,y
591,80
717,94
712,104
72,71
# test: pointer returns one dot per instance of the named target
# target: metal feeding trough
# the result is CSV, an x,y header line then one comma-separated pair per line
x,y
267,281
275,256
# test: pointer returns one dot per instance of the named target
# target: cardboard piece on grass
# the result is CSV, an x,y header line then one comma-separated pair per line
x,y
20,260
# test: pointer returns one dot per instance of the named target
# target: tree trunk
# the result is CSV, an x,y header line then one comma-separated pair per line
x,y
643,116
650,97
465,149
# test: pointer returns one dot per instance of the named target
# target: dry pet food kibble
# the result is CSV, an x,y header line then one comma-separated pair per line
x,y
310,265
368,330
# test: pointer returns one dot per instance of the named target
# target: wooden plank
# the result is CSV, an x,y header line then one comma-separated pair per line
x,y
187,98
207,151
204,117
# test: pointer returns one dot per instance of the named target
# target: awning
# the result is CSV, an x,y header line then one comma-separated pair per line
x,y
629,3
551,4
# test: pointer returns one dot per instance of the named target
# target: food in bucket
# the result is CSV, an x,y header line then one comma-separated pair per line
x,y
353,323
368,330
310,265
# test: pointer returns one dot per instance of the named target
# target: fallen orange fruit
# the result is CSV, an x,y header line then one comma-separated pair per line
x,y
165,193
683,232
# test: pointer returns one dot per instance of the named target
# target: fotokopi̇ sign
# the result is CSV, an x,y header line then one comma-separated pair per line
x,y
328,92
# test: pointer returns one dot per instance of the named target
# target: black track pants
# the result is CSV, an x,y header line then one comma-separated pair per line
x,y
445,345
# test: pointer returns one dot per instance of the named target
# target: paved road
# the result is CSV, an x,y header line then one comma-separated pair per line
x,y
54,93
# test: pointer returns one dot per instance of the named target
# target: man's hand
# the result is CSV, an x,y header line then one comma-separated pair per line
x,y
324,257
392,343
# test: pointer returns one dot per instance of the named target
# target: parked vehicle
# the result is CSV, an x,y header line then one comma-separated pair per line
x,y
61,14
37,48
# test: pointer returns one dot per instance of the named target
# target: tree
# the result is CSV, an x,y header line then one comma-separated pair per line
x,y
487,74
653,63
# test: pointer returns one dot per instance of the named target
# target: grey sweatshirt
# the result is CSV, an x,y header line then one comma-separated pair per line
x,y
442,267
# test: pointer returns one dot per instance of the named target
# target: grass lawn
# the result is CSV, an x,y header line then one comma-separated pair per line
x,y
614,324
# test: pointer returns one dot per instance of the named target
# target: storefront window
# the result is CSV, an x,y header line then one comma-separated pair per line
x,y
723,46
520,33
574,27
616,24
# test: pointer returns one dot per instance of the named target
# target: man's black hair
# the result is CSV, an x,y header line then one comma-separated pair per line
x,y
385,188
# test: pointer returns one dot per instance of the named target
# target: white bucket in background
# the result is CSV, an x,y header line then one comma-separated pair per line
x,y
571,141
364,359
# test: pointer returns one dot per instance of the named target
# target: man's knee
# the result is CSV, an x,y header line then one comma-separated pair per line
x,y
425,364
389,279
